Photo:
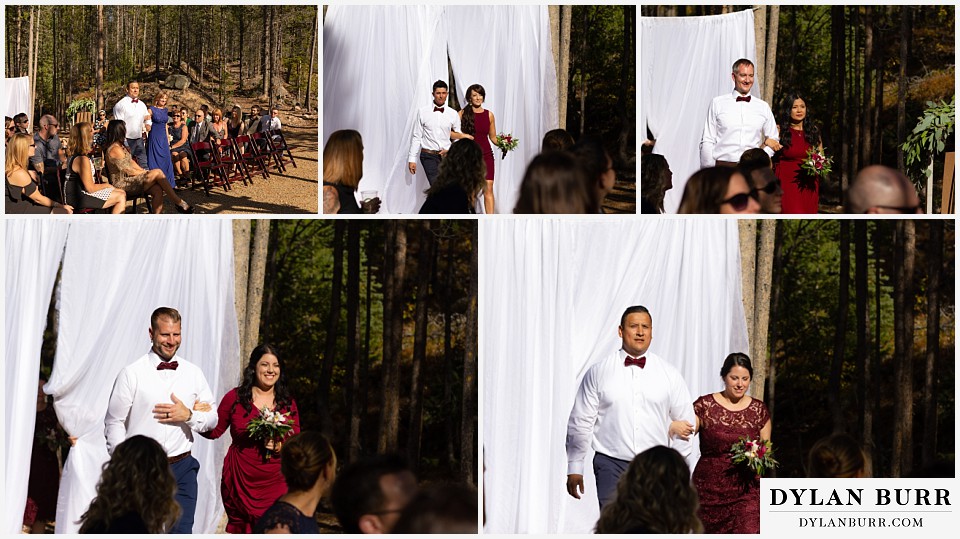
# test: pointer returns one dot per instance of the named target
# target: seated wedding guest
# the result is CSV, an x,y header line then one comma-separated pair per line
x,y
655,180
253,123
135,493
219,124
23,195
309,465
49,149
343,168
440,509
556,140
755,156
370,494
837,455
761,178
94,196
9,128
880,189
555,182
20,122
251,478
654,495
206,113
331,200
127,175
719,190
462,175
100,128
180,145
235,124
598,165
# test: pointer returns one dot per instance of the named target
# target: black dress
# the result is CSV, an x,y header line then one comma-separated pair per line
x,y
19,201
282,513
348,202
129,523
450,199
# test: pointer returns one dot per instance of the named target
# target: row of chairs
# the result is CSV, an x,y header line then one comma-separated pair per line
x,y
227,161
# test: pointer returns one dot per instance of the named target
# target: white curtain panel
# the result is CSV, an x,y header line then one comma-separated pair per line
x,y
379,66
114,275
552,292
684,63
33,249
16,99
507,50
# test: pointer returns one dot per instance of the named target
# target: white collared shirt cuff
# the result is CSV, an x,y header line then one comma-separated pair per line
x,y
575,467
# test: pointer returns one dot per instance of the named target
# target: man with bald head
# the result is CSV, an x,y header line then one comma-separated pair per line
x,y
880,189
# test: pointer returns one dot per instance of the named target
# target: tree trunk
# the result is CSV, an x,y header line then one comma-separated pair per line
x,y
180,38
864,372
778,265
877,238
101,44
869,71
448,371
761,325
353,335
333,326
760,38
468,421
627,120
931,368
906,12
31,69
313,54
840,337
583,76
748,272
770,70
395,260
368,304
156,53
241,277
258,264
424,274
903,348
265,53
563,73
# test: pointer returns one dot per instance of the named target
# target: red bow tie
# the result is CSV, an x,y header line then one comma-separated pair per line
x,y
638,361
437,109
743,98
134,100
167,366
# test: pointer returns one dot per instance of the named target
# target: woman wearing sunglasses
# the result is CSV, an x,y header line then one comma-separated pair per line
x,y
719,190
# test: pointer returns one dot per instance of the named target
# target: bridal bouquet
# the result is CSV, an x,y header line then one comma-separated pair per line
x,y
506,142
754,454
269,426
817,163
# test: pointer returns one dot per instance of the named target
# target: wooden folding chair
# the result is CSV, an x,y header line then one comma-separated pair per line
x,y
230,162
277,140
206,165
247,151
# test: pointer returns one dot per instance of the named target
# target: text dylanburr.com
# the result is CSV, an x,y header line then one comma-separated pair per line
x,y
858,506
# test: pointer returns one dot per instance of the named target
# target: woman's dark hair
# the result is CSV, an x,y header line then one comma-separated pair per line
x,y
706,189
837,455
555,182
281,393
467,124
116,132
303,458
443,508
811,133
593,157
736,359
137,479
654,495
462,165
556,140
654,178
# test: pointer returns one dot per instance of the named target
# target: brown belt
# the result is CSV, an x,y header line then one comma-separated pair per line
x,y
730,164
434,152
178,458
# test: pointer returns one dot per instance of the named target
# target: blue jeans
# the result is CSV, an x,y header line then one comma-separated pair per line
x,y
185,472
608,471
138,151
431,165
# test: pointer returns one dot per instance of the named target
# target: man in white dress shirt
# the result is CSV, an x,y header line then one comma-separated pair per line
x,y
737,122
624,406
433,130
133,112
148,398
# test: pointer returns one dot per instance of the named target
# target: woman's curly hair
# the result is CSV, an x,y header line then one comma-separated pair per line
x,y
136,479
462,165
654,495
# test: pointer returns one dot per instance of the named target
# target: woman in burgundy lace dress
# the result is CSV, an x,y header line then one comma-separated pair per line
x,y
729,494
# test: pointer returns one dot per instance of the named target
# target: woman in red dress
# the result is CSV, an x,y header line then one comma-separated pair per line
x,y
482,127
801,191
251,470
729,493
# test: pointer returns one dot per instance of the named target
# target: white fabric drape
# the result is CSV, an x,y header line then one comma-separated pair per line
x,y
565,285
685,63
114,275
33,249
16,92
504,48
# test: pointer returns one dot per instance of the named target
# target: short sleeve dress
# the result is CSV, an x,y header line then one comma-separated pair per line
x,y
133,185
729,494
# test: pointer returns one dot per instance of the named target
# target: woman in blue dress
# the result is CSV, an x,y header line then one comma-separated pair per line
x,y
158,145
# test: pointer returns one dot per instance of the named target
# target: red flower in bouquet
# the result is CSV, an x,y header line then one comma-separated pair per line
x,y
817,163
757,455
506,143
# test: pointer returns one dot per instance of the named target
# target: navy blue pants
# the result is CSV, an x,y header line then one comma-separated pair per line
x,y
431,165
138,151
185,472
608,471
